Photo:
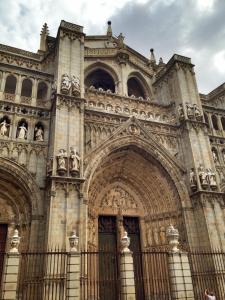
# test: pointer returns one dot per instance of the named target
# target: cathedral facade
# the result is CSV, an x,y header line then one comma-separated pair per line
x,y
95,137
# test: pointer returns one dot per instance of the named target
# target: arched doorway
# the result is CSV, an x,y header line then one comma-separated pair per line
x,y
132,184
133,187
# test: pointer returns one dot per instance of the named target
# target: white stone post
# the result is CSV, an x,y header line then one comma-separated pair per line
x,y
127,270
73,275
10,276
179,269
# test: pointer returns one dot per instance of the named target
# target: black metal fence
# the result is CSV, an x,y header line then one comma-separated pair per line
x,y
208,272
42,276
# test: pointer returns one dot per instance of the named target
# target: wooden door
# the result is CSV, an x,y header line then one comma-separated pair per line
x,y
108,264
3,237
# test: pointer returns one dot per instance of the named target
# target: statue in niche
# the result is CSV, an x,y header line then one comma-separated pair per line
x,y
39,134
75,86
149,236
211,176
156,236
190,112
197,113
75,161
203,176
61,161
180,111
4,128
22,132
193,181
215,157
65,84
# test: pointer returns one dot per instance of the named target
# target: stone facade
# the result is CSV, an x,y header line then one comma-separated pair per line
x,y
90,127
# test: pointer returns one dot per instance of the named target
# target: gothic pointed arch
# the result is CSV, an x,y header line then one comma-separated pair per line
x,y
130,174
137,85
20,201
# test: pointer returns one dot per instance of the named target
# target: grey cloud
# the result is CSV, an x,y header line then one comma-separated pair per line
x,y
176,28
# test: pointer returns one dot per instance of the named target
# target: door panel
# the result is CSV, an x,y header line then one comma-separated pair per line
x,y
3,237
108,265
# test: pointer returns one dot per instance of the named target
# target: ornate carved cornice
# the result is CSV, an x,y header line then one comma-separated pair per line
x,y
68,101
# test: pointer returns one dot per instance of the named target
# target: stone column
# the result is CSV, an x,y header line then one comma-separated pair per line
x,y
10,277
127,270
179,269
73,275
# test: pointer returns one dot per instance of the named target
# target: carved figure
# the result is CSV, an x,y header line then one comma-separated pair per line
x,y
65,84
202,176
3,128
120,40
54,90
197,113
180,112
22,133
61,160
215,157
75,161
190,112
75,86
39,134
193,181
211,176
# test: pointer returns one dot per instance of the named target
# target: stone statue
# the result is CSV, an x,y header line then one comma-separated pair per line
x,y
75,86
197,113
120,41
180,112
190,112
215,157
75,161
3,128
22,132
39,134
61,161
65,84
193,181
211,176
203,176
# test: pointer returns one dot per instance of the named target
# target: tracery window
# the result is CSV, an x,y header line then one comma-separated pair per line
x,y
215,122
26,88
10,84
100,79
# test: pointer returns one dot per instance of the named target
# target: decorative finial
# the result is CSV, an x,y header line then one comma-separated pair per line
x,y
44,34
172,235
109,29
73,239
125,243
15,240
152,56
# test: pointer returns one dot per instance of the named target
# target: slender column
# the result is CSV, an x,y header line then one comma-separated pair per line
x,y
127,270
11,272
73,275
179,269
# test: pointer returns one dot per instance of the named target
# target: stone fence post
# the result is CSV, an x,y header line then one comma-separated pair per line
x,y
11,271
179,269
127,270
73,274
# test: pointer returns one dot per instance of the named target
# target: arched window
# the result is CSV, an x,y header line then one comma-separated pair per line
x,y
134,88
206,119
223,122
26,88
10,84
215,122
22,129
42,91
100,79
39,132
4,126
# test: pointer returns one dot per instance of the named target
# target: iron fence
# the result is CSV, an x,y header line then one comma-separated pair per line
x,y
208,272
42,276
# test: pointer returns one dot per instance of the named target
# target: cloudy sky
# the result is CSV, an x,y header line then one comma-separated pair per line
x,y
194,28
